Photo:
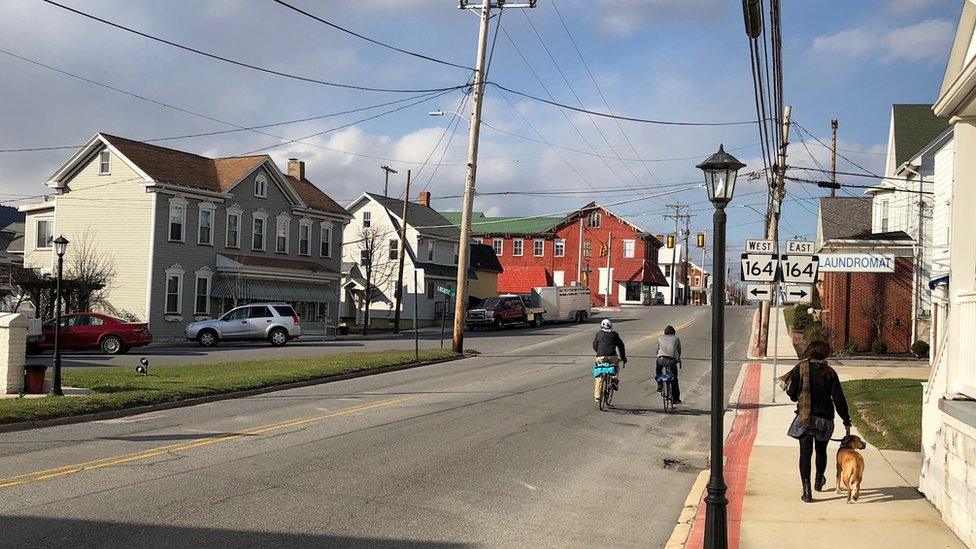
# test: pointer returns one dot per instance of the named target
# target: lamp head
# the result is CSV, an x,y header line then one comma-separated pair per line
x,y
60,245
721,170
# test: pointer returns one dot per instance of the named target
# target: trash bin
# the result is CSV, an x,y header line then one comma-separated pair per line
x,y
34,379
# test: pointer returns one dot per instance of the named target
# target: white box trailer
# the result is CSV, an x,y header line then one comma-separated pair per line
x,y
563,303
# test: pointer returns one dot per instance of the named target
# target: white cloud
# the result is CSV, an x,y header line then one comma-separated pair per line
x,y
927,40
625,17
904,6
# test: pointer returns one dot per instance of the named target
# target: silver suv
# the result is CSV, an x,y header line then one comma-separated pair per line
x,y
273,322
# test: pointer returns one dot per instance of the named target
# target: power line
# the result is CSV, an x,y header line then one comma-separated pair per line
x,y
874,187
245,64
371,40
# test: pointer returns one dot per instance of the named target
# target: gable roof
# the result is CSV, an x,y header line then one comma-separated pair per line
x,y
314,197
914,126
422,218
845,217
483,258
10,215
482,225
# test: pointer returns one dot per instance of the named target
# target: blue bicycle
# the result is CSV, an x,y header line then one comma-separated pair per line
x,y
666,379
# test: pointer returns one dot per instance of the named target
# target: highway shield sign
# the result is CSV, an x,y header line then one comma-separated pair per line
x,y
759,267
799,269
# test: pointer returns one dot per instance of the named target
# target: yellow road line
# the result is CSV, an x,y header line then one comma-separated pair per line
x,y
678,327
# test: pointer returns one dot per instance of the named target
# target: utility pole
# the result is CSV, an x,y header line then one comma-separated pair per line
x,y
772,229
833,157
386,184
477,96
398,294
687,261
678,206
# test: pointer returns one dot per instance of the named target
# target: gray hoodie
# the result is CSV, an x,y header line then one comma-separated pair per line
x,y
669,345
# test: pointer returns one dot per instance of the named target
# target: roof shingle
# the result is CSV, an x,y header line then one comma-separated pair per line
x,y
424,219
915,126
845,217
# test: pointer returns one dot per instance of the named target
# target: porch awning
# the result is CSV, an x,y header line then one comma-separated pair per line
x,y
939,280
271,290
649,274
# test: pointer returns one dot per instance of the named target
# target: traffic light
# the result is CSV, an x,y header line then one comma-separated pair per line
x,y
670,241
701,240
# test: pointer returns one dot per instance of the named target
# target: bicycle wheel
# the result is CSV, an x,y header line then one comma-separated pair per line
x,y
609,384
666,395
602,401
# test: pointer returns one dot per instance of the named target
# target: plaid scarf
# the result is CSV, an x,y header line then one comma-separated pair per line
x,y
803,404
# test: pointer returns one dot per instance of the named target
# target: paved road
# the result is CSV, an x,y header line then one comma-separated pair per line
x,y
507,449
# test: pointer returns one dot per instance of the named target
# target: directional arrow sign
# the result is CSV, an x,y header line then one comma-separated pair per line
x,y
759,267
759,292
797,293
799,269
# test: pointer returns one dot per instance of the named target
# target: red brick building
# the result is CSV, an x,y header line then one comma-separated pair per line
x,y
859,307
574,249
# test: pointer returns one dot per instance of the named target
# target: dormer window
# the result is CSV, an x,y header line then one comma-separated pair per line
x,y
261,186
367,219
104,162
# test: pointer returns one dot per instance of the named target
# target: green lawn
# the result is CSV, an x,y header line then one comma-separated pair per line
x,y
788,316
888,412
117,388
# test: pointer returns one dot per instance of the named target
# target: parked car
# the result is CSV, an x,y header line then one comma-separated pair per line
x,y
276,323
89,331
497,312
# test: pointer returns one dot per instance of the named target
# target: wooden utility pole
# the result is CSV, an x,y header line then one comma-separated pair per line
x,y
398,293
687,261
772,230
386,184
678,206
477,96
833,157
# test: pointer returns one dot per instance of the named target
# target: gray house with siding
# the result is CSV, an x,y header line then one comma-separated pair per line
x,y
190,237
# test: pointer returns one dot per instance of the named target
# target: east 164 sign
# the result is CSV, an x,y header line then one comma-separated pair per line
x,y
799,269
759,267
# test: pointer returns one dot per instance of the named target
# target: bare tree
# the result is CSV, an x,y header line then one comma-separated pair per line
x,y
876,310
379,268
93,273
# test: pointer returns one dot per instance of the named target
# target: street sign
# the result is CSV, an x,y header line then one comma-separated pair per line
x,y
799,269
759,267
797,293
858,263
759,292
799,247
445,291
760,246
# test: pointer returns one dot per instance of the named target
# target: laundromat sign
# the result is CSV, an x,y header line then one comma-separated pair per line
x,y
857,263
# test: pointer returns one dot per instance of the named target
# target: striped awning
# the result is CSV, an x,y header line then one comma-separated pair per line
x,y
271,290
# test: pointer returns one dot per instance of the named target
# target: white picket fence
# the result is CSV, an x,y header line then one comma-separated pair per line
x,y
964,380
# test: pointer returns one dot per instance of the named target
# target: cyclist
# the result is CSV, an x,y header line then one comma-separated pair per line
x,y
669,356
606,342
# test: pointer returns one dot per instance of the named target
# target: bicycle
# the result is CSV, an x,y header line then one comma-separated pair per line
x,y
605,372
666,378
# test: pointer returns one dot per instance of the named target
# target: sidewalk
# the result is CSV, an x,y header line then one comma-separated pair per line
x,y
780,340
764,489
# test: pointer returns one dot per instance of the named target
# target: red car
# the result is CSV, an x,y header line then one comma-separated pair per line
x,y
87,331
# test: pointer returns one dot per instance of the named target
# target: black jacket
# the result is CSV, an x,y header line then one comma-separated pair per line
x,y
826,393
607,343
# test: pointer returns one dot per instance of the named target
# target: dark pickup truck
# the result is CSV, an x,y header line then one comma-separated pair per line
x,y
497,312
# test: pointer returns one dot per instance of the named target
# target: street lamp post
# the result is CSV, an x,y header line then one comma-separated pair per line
x,y
721,170
60,245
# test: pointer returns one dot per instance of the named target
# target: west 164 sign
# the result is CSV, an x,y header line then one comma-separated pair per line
x,y
857,263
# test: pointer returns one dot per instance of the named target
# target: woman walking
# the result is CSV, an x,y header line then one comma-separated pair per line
x,y
814,386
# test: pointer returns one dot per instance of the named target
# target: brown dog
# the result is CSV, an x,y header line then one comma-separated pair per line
x,y
850,466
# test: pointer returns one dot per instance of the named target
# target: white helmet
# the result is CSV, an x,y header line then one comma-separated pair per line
x,y
606,325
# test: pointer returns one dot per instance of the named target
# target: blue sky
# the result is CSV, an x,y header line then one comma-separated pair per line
x,y
661,59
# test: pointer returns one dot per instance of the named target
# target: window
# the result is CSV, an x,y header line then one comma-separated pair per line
x,y
498,245
304,236
257,233
430,251
205,225
325,246
517,247
559,248
281,240
104,162
394,249
201,303
587,249
595,220
884,216
430,290
261,186
629,248
538,248
177,220
457,251
284,310
259,312
667,270
233,230
45,234
174,293
367,219
364,257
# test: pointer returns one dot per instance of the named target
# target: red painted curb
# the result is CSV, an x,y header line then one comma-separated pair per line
x,y
738,449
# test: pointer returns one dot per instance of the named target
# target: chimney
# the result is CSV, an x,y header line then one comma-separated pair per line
x,y
425,198
296,168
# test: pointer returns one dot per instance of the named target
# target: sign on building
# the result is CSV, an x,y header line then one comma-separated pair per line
x,y
857,263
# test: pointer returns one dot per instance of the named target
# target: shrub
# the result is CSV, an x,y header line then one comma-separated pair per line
x,y
815,331
801,318
851,347
879,346
920,349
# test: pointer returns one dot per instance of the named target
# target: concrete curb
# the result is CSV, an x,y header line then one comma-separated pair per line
x,y
686,520
125,412
753,352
